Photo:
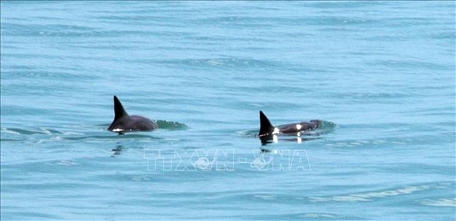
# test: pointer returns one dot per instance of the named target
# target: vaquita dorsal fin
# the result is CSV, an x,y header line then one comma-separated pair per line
x,y
119,111
266,127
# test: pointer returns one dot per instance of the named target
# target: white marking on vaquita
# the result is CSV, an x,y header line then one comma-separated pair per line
x,y
298,126
118,130
276,130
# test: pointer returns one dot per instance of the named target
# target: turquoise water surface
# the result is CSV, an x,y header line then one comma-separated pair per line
x,y
381,75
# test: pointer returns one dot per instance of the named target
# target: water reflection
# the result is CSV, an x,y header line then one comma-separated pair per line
x,y
265,140
117,150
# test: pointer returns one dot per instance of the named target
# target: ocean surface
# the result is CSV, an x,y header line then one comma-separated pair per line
x,y
381,75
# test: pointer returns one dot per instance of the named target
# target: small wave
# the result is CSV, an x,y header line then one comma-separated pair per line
x,y
110,136
320,215
77,133
264,196
247,133
18,131
66,163
363,197
440,202
10,131
170,125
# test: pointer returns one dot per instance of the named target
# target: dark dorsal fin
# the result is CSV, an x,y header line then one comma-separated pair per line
x,y
119,111
265,125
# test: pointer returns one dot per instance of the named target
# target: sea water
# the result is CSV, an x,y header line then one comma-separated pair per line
x,y
380,74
